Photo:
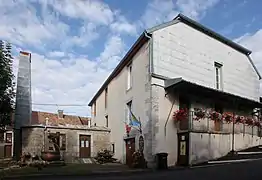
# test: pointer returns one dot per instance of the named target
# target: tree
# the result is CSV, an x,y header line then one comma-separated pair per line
x,y
6,85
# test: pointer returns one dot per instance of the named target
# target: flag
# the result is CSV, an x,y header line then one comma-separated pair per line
x,y
128,129
133,121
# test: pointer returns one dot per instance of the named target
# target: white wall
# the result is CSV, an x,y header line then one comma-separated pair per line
x,y
118,97
181,51
211,146
165,136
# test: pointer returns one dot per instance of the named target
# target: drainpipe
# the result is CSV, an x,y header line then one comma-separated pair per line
x,y
150,91
169,116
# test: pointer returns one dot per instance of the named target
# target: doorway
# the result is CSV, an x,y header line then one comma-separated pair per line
x,y
8,145
130,149
183,149
84,146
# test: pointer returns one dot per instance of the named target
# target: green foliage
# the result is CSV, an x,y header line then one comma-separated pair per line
x,y
105,156
6,85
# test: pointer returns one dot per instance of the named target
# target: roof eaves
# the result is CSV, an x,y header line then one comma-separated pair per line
x,y
157,27
253,65
119,67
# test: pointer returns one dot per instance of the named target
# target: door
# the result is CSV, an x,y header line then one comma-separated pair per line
x,y
183,149
130,149
8,146
184,104
8,151
84,146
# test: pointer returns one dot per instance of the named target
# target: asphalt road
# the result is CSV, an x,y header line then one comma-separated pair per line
x,y
239,171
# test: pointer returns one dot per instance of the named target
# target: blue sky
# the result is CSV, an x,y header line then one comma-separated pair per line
x,y
75,44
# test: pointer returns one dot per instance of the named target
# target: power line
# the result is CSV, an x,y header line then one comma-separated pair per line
x,y
47,104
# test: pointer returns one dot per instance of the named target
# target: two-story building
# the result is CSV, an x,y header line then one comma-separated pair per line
x,y
193,90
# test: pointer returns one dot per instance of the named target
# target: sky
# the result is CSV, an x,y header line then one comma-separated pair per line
x,y
75,44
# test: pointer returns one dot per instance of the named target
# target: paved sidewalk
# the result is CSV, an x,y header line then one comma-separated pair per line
x,y
70,169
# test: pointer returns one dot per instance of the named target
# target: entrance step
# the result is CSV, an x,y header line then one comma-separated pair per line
x,y
87,161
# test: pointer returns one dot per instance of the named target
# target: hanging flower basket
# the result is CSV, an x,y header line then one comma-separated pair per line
x,y
180,115
249,121
215,116
240,119
257,123
199,114
228,117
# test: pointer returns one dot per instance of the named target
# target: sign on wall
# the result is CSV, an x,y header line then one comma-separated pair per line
x,y
141,144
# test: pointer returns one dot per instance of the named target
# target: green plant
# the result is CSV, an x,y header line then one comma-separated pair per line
x,y
139,160
105,156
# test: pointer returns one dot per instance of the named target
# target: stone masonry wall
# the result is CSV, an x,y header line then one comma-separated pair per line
x,y
33,141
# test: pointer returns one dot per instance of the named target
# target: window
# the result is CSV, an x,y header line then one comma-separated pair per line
x,y
94,108
113,148
129,107
106,120
129,77
61,141
106,98
218,71
8,138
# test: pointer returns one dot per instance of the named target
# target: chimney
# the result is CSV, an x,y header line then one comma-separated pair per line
x,y
60,114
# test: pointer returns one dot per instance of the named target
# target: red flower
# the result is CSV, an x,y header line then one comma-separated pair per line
x,y
240,119
257,123
249,121
180,115
199,113
215,116
228,117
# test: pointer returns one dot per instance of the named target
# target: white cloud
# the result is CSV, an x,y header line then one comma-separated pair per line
x,y
95,11
56,54
195,9
123,26
71,81
113,51
20,24
158,11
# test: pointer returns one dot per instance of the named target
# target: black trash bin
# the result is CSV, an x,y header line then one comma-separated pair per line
x,y
161,160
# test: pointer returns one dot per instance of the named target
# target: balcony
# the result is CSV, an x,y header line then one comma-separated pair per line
x,y
227,123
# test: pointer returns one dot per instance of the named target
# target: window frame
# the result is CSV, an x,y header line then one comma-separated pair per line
x,y
218,76
107,122
106,97
129,77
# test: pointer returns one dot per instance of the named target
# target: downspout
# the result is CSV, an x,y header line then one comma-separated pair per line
x,y
169,116
150,91
150,73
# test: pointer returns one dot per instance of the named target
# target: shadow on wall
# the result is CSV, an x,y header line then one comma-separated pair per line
x,y
211,146
208,146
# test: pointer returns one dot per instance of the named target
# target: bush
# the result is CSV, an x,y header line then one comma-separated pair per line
x,y
139,160
105,156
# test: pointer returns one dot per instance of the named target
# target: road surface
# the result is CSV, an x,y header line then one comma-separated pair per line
x,y
239,171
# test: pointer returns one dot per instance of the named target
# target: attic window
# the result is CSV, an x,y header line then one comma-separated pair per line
x,y
218,76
